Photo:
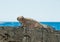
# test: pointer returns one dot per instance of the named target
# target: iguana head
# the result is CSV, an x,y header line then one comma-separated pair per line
x,y
20,18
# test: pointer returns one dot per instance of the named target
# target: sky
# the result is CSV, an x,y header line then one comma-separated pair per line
x,y
40,10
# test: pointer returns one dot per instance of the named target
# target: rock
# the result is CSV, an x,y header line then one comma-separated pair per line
x,y
18,34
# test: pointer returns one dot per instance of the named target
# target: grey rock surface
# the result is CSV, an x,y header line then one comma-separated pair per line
x,y
24,34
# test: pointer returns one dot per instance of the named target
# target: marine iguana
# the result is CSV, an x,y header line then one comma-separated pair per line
x,y
29,22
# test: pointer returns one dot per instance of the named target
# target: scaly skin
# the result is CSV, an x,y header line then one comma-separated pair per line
x,y
28,22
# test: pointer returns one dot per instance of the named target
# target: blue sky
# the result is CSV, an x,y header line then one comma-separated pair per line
x,y
41,10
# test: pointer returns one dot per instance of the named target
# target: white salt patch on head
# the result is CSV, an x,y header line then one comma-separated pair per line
x,y
21,17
